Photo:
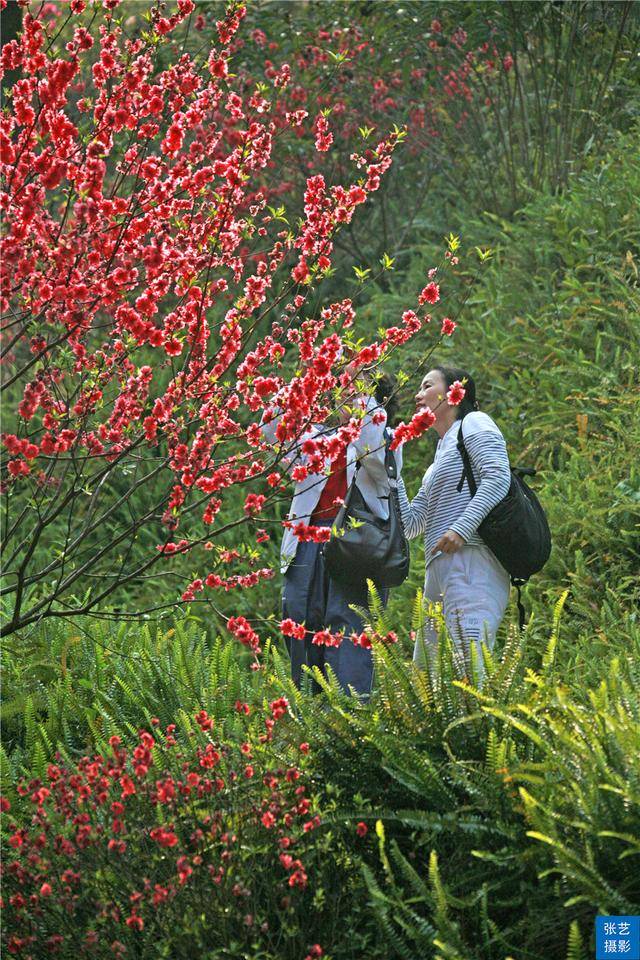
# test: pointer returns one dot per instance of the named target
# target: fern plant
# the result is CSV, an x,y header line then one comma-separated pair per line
x,y
501,810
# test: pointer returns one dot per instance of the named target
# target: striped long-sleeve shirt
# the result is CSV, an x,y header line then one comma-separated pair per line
x,y
439,506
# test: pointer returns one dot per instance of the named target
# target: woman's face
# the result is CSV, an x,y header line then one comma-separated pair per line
x,y
432,392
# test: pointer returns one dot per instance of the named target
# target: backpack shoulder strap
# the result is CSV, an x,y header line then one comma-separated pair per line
x,y
521,611
389,457
467,470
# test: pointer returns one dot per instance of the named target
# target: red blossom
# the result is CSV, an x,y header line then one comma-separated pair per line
x,y
164,837
309,533
279,707
324,138
289,628
242,630
325,638
315,951
420,422
134,921
204,721
253,504
455,393
448,326
429,294
200,806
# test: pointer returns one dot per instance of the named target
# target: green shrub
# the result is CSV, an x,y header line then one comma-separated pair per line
x,y
195,841
488,813
501,813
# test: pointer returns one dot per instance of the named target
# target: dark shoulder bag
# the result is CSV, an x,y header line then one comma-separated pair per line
x,y
365,547
516,529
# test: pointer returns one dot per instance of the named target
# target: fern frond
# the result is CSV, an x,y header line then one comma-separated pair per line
x,y
548,659
437,888
575,946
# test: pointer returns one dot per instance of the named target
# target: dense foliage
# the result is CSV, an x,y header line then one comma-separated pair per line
x,y
438,814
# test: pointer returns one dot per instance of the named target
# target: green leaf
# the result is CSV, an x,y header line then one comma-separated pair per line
x,y
362,274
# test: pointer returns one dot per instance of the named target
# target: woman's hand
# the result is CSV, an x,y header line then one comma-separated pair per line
x,y
449,542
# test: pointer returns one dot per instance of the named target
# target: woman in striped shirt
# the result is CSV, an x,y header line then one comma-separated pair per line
x,y
461,572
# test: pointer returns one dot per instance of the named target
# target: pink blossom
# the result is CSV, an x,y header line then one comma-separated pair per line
x,y
455,394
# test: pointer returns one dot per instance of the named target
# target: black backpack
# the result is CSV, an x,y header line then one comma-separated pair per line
x,y
516,530
365,547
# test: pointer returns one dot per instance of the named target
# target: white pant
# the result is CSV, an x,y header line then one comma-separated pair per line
x,y
473,588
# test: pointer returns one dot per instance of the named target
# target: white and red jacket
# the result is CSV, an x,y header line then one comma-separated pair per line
x,y
372,481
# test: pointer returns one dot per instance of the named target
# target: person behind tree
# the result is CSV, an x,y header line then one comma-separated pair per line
x,y
310,596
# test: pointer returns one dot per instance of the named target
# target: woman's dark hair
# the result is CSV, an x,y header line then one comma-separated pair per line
x,y
450,375
385,388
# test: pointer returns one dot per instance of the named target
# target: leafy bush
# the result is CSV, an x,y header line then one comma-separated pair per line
x,y
453,821
199,843
75,685
498,811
